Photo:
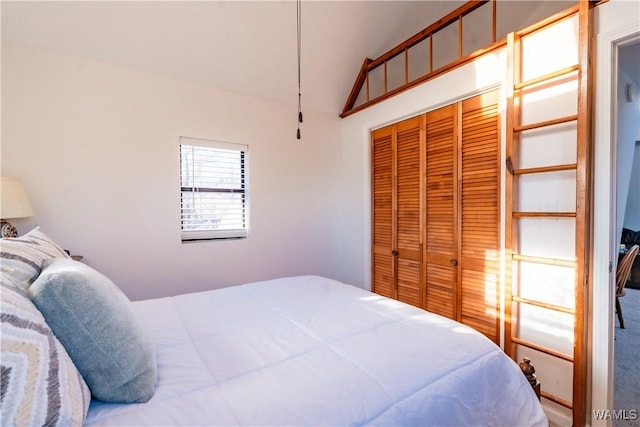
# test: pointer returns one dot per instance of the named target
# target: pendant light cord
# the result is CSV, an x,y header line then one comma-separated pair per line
x,y
299,37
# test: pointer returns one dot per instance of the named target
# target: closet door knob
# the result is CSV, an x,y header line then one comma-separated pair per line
x,y
395,253
453,262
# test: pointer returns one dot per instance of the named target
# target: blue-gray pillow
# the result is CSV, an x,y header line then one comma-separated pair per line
x,y
95,323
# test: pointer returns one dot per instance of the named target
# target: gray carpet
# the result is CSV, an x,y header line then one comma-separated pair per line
x,y
627,358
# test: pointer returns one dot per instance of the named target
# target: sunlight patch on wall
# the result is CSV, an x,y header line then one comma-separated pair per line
x,y
539,59
488,66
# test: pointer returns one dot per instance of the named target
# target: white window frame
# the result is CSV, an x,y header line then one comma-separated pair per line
x,y
213,233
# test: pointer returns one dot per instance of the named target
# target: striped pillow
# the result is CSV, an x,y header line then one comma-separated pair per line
x,y
21,258
40,383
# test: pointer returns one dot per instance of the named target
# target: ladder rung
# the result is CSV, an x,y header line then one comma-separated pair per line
x,y
546,77
546,261
556,399
544,214
543,169
545,123
542,349
548,306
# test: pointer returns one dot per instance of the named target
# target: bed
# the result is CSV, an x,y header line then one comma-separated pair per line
x,y
312,351
309,350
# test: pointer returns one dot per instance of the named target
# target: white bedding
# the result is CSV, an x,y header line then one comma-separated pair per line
x,y
312,351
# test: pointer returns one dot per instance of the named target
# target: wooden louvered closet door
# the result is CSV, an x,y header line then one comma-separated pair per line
x,y
382,170
396,218
409,222
441,194
462,209
435,212
479,218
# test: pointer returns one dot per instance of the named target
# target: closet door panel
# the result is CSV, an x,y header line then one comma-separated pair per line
x,y
409,289
440,202
440,295
382,212
479,215
409,240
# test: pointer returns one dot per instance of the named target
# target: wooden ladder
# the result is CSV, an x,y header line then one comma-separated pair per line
x,y
521,171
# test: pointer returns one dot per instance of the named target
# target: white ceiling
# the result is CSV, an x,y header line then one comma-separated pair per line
x,y
246,47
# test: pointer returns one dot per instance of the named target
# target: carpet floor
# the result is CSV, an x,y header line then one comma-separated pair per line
x,y
626,358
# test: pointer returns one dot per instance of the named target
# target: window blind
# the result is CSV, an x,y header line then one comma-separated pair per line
x,y
213,189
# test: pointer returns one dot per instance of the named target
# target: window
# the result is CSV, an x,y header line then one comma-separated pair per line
x,y
213,189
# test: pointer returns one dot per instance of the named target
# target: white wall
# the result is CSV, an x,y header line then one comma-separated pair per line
x,y
96,146
628,132
629,136
632,211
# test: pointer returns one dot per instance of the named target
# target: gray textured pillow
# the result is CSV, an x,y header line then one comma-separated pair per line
x,y
21,257
95,322
40,384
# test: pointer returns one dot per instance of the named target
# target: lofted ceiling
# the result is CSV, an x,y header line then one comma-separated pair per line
x,y
247,47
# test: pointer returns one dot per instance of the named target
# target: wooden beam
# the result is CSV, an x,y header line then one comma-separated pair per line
x,y
584,189
549,76
546,123
545,169
511,192
357,86
429,76
544,214
543,260
545,305
556,399
542,349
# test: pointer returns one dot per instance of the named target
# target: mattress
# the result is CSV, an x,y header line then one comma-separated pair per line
x,y
312,351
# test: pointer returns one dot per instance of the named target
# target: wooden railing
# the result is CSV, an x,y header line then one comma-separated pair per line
x,y
361,95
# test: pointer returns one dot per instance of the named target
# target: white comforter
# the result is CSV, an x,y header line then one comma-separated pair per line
x,y
312,351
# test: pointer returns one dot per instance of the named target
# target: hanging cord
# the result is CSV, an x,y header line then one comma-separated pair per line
x,y
299,29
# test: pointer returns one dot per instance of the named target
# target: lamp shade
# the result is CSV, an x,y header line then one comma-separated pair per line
x,y
15,203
